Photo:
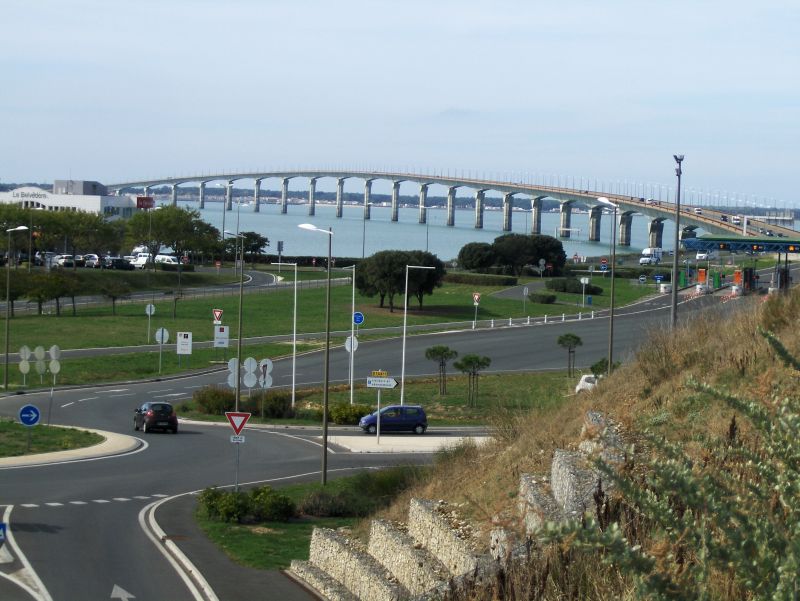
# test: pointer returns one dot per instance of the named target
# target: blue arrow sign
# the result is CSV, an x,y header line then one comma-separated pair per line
x,y
2,532
658,278
358,318
29,415
603,267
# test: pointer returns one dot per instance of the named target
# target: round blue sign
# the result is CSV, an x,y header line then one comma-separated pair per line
x,y
642,278
658,278
29,415
603,267
358,318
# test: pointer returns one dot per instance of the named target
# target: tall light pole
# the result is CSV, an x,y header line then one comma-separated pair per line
x,y
239,332
673,312
19,228
352,331
294,331
405,321
329,232
608,203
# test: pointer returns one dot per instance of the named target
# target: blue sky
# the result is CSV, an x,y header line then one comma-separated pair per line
x,y
125,90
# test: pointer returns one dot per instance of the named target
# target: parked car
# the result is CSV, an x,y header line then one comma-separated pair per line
x,y
151,416
169,259
141,261
63,261
395,418
80,260
117,263
91,260
586,383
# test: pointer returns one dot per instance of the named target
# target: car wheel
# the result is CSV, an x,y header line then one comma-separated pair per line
x,y
371,429
144,427
419,429
175,430
135,425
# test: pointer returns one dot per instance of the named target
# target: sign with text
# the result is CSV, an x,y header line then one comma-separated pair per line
x,y
184,343
381,382
221,336
145,202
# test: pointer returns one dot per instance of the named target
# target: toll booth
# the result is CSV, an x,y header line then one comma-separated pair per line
x,y
749,282
784,281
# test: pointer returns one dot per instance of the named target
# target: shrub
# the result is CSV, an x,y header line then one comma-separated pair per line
x,y
214,400
269,505
173,267
310,413
479,279
572,286
276,404
326,504
209,500
542,298
346,414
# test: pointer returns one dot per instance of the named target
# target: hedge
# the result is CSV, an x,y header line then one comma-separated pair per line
x,y
480,279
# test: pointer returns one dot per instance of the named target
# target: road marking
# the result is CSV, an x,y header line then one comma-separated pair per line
x,y
164,396
29,505
117,390
314,442
123,499
54,504
88,398
116,396
158,495
165,390
190,387
78,503
141,498
100,501
68,404
26,578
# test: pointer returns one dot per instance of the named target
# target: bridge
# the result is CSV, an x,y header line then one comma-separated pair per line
x,y
658,211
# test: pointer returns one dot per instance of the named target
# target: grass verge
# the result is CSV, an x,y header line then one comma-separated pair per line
x,y
17,440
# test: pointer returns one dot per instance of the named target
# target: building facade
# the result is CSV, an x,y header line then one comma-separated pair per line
x,y
72,195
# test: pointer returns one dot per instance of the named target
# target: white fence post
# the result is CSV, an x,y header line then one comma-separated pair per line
x,y
563,317
492,324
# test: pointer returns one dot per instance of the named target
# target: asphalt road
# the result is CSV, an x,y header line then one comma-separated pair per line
x,y
83,526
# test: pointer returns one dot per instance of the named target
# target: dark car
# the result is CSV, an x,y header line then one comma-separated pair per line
x,y
155,416
117,263
395,418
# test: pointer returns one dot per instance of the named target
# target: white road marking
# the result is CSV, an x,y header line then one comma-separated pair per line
x,y
100,501
121,499
28,580
140,497
158,495
29,505
68,404
88,398
117,389
190,387
78,503
116,396
165,390
163,396
54,504
314,442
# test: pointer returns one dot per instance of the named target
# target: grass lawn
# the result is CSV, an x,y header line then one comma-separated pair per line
x,y
17,440
268,545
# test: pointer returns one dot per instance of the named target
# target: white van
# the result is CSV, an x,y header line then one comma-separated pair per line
x,y
171,260
651,256
140,260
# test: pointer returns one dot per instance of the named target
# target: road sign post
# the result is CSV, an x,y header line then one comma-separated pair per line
x,y
149,310
29,415
162,336
380,379
237,421
55,368
476,300
584,281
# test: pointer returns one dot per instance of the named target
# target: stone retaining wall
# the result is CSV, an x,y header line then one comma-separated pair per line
x,y
429,526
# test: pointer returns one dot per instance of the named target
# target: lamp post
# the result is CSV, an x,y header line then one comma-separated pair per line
x,y
603,200
352,331
673,313
329,232
19,228
239,331
405,321
294,331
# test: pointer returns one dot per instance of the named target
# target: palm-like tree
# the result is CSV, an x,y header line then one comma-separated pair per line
x,y
472,365
570,342
441,354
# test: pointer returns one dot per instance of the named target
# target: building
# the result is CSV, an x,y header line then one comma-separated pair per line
x,y
72,195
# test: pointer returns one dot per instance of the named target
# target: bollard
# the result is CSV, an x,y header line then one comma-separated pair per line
x,y
473,325
592,314
491,326
545,318
580,315
563,317
529,320
509,321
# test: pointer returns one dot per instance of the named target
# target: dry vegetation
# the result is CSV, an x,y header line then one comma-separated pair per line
x,y
722,349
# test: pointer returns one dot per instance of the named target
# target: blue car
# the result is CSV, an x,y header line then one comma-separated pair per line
x,y
395,418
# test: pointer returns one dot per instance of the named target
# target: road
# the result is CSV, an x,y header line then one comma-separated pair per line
x,y
84,527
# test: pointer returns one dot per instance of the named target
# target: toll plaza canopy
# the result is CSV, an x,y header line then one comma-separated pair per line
x,y
742,244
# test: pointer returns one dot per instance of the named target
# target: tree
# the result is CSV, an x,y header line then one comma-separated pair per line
x,y
384,274
39,290
472,365
423,281
441,354
254,245
570,342
476,256
114,290
514,251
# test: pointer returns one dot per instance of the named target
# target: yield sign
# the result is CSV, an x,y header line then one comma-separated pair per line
x,y
476,297
217,315
237,420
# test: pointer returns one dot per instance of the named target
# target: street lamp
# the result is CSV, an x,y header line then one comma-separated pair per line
x,y
673,314
313,228
19,228
294,331
603,200
405,321
239,332
352,331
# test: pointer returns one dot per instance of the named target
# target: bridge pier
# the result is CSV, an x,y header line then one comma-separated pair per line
x,y
229,196
508,206
174,195
536,215
202,194
566,220
451,206
423,203
339,197
395,199
656,233
312,201
257,196
625,220
284,195
367,196
146,191
480,195
595,219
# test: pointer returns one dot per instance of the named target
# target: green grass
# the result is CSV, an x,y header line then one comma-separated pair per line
x,y
267,546
17,440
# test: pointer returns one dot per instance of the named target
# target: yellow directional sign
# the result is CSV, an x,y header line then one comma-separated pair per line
x,y
379,373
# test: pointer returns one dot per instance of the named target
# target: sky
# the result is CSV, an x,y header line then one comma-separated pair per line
x,y
132,90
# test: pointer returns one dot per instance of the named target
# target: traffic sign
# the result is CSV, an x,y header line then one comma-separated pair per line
x,y
603,267
584,280
25,353
476,298
184,343
358,318
250,380
250,365
29,415
24,367
38,352
379,373
237,420
642,279
237,439
217,316
149,309
525,291
162,335
55,366
351,344
2,532
54,352
603,261
381,382
658,278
